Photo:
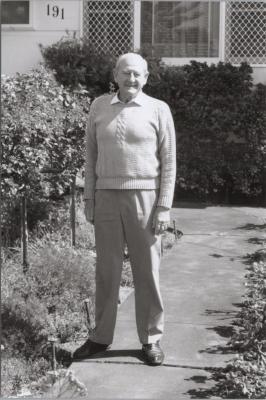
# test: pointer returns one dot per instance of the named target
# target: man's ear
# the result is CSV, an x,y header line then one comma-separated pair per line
x,y
115,74
146,76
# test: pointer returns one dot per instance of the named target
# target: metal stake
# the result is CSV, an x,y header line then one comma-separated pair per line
x,y
52,340
86,302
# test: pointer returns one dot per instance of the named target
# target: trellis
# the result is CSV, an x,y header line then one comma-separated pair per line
x,y
109,25
245,32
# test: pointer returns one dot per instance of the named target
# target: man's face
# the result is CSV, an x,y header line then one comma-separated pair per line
x,y
130,77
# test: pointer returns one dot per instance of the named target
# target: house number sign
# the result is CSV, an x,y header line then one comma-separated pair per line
x,y
55,11
57,15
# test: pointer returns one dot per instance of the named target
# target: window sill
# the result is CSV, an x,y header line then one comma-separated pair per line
x,y
253,65
187,60
14,28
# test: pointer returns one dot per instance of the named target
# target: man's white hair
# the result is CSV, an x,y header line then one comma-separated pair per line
x,y
138,58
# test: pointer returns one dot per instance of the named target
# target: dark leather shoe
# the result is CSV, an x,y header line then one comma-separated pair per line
x,y
89,348
153,353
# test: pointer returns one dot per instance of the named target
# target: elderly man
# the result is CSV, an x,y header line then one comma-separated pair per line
x,y
129,187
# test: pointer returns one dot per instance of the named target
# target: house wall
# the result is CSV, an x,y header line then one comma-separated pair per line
x,y
20,45
259,75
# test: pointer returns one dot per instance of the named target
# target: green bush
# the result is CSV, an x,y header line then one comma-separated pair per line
x,y
220,121
219,115
75,62
43,125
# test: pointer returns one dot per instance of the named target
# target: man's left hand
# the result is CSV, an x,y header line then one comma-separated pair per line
x,y
161,219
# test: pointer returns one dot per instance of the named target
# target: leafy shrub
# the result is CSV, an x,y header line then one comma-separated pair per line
x,y
47,300
220,121
43,125
220,117
75,62
245,376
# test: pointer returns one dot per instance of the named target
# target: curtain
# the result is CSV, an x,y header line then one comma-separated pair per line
x,y
15,12
180,28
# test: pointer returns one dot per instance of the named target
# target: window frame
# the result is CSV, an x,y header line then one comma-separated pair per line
x,y
183,60
21,27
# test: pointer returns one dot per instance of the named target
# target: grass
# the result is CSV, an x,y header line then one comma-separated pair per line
x,y
17,373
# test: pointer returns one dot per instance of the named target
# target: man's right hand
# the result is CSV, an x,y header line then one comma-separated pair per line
x,y
89,210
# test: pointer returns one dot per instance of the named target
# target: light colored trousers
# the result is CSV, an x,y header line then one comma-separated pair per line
x,y
126,216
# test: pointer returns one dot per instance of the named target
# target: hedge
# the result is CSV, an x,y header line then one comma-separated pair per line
x,y
220,121
220,116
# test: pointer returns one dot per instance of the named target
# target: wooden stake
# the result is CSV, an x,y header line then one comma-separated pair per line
x,y
24,233
87,309
73,212
264,183
175,233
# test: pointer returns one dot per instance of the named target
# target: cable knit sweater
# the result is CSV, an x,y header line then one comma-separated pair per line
x,y
130,146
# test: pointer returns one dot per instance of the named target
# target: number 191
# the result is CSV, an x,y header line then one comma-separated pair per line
x,y
55,11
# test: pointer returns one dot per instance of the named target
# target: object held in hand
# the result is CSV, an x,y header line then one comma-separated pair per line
x,y
178,234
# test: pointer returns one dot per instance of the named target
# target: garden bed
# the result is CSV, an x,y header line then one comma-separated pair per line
x,y
48,300
245,376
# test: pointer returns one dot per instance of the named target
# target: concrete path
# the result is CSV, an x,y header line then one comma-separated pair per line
x,y
202,281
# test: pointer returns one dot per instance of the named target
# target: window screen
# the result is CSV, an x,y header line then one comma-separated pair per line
x,y
245,32
108,25
15,12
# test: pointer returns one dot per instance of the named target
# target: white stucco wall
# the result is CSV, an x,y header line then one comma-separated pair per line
x,y
20,46
259,75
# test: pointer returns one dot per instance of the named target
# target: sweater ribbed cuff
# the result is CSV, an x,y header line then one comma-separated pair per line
x,y
165,201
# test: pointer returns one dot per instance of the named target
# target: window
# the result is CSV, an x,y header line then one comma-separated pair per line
x,y
15,13
183,29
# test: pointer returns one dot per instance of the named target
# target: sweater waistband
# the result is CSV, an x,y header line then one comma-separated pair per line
x,y
127,183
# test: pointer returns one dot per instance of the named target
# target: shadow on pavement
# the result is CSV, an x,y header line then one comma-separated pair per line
x,y
109,354
201,393
251,227
198,379
184,204
218,350
225,331
216,255
223,315
216,391
257,241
